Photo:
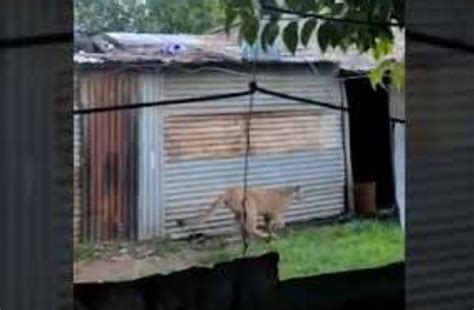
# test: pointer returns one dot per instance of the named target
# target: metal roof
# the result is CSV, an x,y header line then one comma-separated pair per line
x,y
166,49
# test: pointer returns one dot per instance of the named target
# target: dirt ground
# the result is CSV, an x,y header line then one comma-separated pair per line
x,y
125,261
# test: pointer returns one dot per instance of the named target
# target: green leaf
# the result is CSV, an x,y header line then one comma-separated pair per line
x,y
269,34
365,40
309,5
338,8
290,36
293,4
250,26
307,31
344,44
302,5
243,4
376,75
324,36
327,3
383,47
338,33
230,15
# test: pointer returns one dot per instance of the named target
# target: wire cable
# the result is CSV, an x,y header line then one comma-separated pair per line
x,y
248,120
253,88
440,42
161,103
314,102
300,99
331,18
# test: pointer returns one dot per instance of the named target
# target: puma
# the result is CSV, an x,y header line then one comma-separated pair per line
x,y
271,204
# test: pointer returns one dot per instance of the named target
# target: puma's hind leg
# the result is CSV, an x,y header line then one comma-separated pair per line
x,y
269,225
268,222
278,223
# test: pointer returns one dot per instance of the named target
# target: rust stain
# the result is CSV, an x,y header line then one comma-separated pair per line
x,y
109,196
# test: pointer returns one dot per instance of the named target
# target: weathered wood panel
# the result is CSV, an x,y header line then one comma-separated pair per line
x,y
224,135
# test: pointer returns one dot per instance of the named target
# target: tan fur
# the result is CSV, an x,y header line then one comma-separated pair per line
x,y
269,203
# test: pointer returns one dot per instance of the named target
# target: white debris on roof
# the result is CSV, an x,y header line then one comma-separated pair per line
x,y
151,39
173,49
82,57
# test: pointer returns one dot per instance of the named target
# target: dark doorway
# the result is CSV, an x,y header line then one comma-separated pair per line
x,y
370,136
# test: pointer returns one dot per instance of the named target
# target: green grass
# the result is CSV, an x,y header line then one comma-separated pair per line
x,y
83,252
329,248
304,250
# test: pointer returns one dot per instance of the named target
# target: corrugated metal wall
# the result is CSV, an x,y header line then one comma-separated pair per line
x,y
78,170
200,150
149,198
109,157
77,197
35,174
35,158
440,165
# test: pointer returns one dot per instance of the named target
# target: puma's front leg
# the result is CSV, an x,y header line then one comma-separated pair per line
x,y
252,224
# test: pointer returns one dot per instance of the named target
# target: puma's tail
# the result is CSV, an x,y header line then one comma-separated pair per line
x,y
202,218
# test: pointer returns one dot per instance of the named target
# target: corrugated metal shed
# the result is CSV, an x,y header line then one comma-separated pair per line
x,y
171,161
190,153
